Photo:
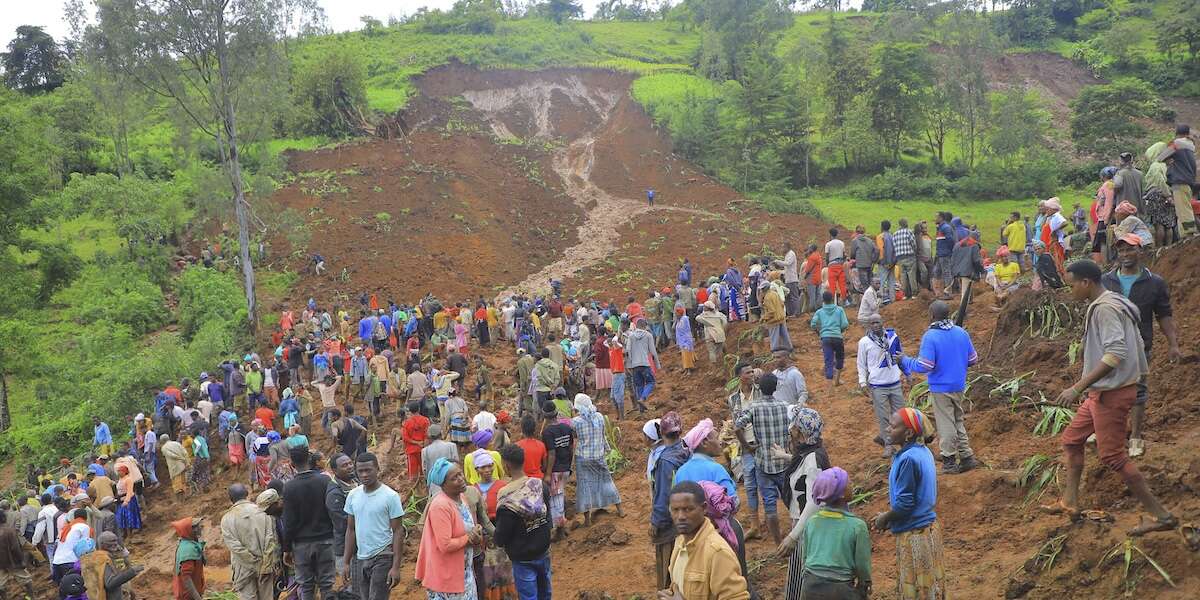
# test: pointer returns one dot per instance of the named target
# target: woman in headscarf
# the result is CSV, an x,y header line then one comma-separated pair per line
x,y
705,444
654,440
1054,231
483,441
456,415
1158,203
1126,221
808,459
684,339
201,463
497,574
1101,214
129,513
719,508
837,546
912,494
594,487
448,539
280,463
177,462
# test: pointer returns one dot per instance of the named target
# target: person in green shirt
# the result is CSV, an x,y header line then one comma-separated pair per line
x,y
830,323
254,386
666,312
837,546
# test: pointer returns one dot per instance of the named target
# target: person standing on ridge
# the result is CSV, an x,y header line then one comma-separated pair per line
x,y
946,352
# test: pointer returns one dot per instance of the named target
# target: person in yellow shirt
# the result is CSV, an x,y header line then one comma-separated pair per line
x,y
1014,237
1005,273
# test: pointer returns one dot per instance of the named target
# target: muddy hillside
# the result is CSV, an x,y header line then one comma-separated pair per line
x,y
508,179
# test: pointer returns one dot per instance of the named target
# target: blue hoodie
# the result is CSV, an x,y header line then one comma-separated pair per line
x,y
945,355
830,321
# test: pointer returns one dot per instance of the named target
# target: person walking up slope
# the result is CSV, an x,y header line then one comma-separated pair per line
x,y
946,352
830,322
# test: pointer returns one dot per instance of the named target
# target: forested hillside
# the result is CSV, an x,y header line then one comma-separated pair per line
x,y
121,154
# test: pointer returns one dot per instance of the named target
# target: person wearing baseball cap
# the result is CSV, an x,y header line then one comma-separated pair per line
x,y
1151,294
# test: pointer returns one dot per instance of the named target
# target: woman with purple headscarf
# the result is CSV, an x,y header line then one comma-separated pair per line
x,y
836,552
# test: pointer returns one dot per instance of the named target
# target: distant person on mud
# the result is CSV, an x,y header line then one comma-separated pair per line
x,y
650,197
946,352
830,323
774,318
1151,295
640,351
318,264
1114,362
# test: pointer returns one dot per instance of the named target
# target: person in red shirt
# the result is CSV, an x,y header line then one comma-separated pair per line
x,y
535,449
616,364
266,415
174,392
414,432
701,295
812,277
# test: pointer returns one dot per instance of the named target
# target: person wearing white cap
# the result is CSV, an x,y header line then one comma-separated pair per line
x,y
249,533
714,322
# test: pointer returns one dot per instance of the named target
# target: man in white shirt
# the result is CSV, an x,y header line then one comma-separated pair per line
x,y
879,374
205,407
46,531
507,313
64,554
791,278
835,261
483,420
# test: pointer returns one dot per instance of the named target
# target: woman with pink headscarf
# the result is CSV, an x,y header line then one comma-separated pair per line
x,y
836,552
705,446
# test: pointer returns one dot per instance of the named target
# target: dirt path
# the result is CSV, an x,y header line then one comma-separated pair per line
x,y
605,213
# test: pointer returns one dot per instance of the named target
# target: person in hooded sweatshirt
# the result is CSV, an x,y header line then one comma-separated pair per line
x,y
830,322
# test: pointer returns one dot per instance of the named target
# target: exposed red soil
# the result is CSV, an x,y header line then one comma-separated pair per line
x,y
989,534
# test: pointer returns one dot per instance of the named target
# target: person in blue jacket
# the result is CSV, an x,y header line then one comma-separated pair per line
x,y
912,494
946,352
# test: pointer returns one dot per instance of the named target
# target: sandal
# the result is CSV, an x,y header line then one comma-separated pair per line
x,y
1191,535
1058,508
1097,516
1164,524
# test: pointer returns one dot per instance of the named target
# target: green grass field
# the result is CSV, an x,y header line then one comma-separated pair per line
x,y
86,236
988,214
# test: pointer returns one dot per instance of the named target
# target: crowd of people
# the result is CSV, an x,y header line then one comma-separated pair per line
x,y
312,522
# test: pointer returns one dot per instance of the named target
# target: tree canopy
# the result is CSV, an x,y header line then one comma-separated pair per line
x,y
33,62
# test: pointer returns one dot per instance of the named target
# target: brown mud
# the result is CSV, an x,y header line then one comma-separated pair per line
x,y
526,159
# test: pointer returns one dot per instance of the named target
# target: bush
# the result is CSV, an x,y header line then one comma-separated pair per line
x,y
329,88
470,17
120,293
897,184
1035,176
208,295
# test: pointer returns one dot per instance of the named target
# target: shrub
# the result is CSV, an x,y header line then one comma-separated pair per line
x,y
897,184
121,293
329,89
208,295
